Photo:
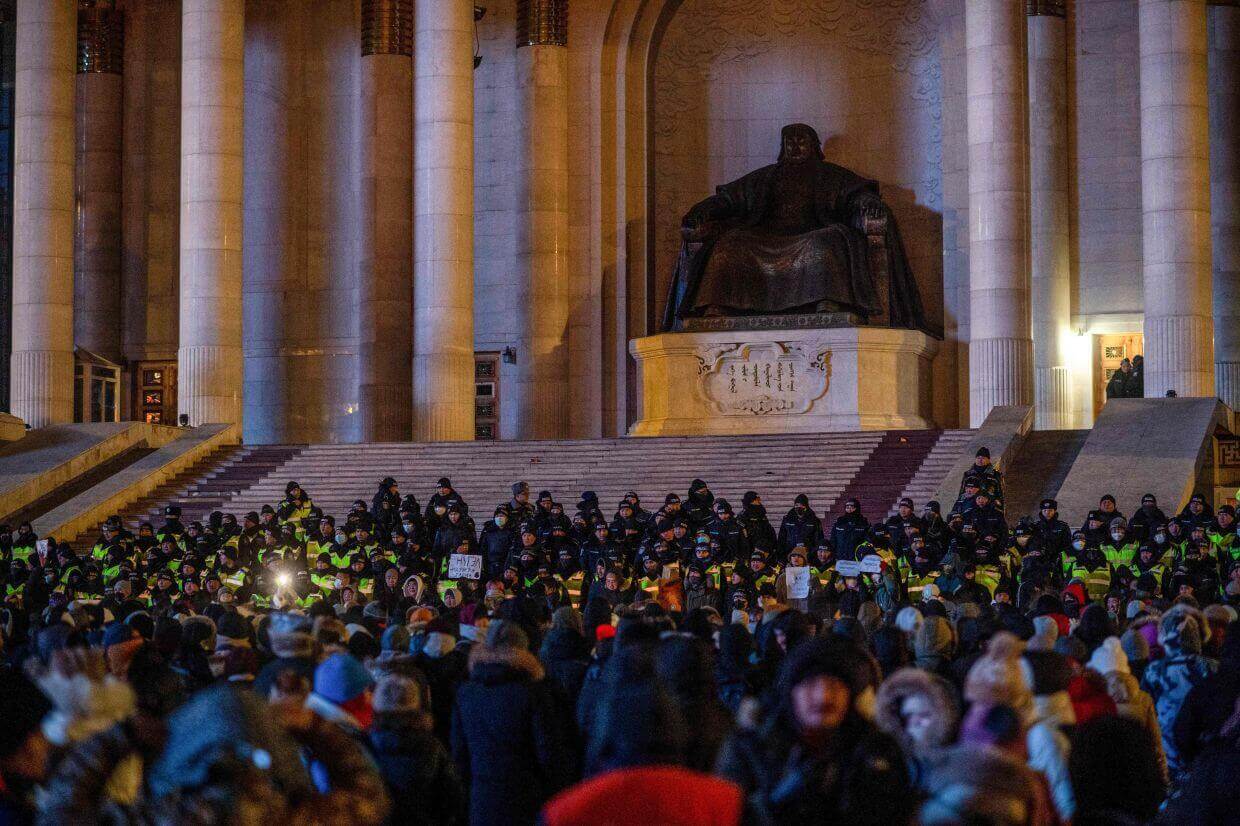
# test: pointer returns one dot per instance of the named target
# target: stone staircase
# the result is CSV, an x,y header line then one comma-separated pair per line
x,y
1040,468
933,469
878,466
207,486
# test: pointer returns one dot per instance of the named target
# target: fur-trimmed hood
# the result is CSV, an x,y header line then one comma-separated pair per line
x,y
908,682
501,664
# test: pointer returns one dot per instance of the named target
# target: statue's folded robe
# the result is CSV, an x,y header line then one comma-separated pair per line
x,y
764,269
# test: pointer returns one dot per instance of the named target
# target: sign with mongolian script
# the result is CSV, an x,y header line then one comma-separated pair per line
x,y
765,378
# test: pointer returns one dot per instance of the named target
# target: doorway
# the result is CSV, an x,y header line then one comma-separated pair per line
x,y
155,392
486,397
1109,351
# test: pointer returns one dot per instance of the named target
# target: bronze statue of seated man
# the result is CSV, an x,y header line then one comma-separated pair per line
x,y
794,237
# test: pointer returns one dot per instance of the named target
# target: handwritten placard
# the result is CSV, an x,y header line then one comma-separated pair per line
x,y
848,567
465,566
798,582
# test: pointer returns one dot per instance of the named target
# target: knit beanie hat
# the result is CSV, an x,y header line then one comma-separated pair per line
x,y
1109,657
997,678
395,693
1183,627
22,707
396,639
908,620
341,678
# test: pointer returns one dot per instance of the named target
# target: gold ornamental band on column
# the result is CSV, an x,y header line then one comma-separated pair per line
x,y
542,23
1046,8
101,38
387,27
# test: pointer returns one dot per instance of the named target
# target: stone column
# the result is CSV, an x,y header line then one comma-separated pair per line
x,y
1050,275
385,280
1000,345
443,352
541,393
1175,199
280,404
1224,83
212,137
42,362
97,236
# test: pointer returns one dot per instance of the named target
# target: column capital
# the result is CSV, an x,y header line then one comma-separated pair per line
x,y
101,37
542,23
387,27
1046,8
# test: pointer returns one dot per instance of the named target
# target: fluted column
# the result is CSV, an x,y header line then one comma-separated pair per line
x,y
541,393
1000,345
42,360
97,235
385,281
1175,199
1224,84
443,374
1050,277
212,137
280,403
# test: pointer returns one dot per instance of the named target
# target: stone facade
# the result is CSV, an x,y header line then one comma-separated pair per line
x,y
651,104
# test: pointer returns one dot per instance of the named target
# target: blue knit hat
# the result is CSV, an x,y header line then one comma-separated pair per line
x,y
341,678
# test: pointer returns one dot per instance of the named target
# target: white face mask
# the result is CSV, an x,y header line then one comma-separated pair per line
x,y
1078,545
501,521
1118,537
1160,537
341,539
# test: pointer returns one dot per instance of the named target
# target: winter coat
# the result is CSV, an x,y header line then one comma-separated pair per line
x,y
565,655
799,529
1049,746
847,533
1169,680
444,675
1135,704
860,780
418,772
1206,710
511,738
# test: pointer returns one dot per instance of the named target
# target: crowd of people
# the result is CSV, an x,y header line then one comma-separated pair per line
x,y
681,664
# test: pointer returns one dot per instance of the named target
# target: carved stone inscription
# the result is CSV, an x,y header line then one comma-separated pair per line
x,y
763,379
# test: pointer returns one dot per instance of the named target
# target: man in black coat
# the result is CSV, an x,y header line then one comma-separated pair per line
x,y
728,532
1053,535
800,527
511,737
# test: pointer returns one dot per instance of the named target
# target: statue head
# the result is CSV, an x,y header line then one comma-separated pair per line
x,y
799,143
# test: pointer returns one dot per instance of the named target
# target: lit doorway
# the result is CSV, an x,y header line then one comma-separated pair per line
x,y
1109,351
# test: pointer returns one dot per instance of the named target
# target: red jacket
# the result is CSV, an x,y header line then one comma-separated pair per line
x,y
667,795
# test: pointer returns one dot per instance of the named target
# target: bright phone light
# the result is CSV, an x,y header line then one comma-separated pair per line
x,y
283,580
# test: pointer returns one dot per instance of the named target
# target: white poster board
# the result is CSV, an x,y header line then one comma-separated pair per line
x,y
798,582
872,564
465,566
848,568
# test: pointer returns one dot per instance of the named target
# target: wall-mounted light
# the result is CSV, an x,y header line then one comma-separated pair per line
x,y
479,13
509,355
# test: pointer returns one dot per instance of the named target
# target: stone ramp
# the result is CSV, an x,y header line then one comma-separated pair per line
x,y
1139,446
240,479
35,469
1039,470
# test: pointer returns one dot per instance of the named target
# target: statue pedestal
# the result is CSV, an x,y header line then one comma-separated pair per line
x,y
756,381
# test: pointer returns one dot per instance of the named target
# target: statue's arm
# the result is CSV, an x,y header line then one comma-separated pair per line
x,y
728,202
